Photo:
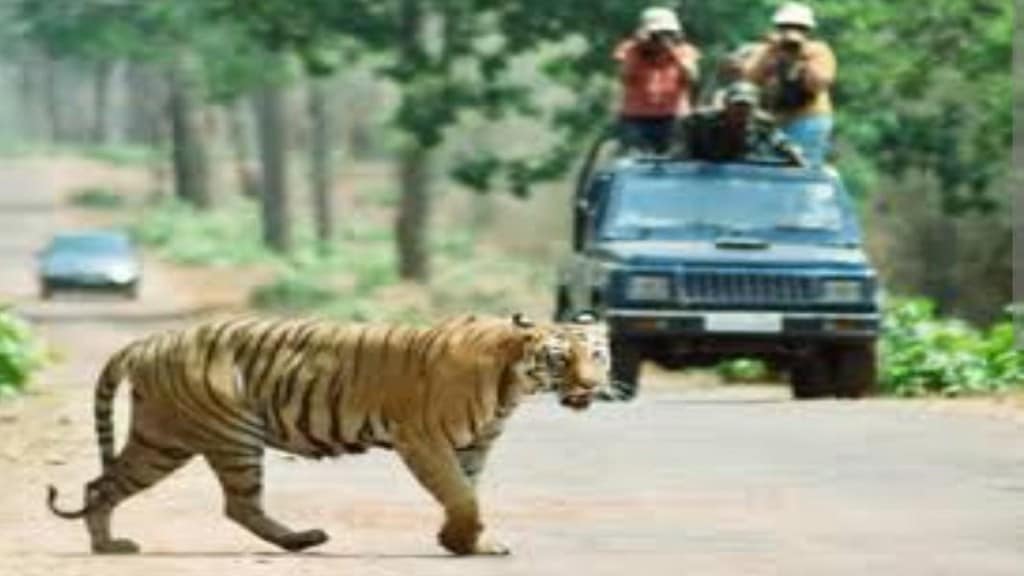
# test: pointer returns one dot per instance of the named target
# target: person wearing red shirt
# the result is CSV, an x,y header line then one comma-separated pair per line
x,y
658,71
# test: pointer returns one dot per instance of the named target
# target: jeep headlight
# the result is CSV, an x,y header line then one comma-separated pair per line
x,y
646,287
842,291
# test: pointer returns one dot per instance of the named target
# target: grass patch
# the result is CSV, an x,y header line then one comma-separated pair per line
x,y
97,199
291,292
223,237
115,154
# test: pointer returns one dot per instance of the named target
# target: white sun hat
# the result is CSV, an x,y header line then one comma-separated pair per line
x,y
658,19
795,14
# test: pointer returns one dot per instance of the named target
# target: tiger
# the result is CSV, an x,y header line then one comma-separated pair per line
x,y
228,389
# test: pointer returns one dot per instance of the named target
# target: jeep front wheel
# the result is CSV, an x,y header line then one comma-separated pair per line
x,y
626,360
561,305
811,377
856,369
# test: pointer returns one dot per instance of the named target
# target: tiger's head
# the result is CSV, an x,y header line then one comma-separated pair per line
x,y
571,359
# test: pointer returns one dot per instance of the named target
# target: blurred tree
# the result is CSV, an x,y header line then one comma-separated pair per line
x,y
322,166
273,137
100,32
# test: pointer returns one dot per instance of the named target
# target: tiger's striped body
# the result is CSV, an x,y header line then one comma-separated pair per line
x,y
225,390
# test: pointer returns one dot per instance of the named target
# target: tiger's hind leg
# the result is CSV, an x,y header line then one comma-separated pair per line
x,y
141,464
240,473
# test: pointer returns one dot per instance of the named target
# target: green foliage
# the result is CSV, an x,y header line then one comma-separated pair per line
x,y
97,199
154,31
358,281
927,88
923,354
180,232
292,291
743,370
118,155
20,353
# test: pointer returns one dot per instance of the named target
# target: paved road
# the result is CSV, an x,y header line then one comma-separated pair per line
x,y
686,480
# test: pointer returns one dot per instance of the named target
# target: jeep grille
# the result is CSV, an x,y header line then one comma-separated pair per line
x,y
746,288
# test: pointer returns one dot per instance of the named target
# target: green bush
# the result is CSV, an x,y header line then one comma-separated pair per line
x,y
97,199
226,236
291,292
923,354
20,353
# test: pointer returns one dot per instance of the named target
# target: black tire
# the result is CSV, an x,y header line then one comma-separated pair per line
x,y
856,369
812,377
626,360
562,312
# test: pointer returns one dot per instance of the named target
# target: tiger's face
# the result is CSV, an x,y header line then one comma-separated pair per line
x,y
571,359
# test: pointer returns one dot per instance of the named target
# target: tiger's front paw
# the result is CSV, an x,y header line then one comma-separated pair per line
x,y
298,541
460,538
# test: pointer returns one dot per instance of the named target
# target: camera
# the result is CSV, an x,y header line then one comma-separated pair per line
x,y
791,44
665,37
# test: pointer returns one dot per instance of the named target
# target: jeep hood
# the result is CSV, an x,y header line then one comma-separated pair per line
x,y
675,252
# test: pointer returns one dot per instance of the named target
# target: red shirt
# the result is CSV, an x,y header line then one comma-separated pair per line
x,y
656,85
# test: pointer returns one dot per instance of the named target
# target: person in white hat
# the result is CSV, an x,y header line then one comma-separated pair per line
x,y
796,74
658,71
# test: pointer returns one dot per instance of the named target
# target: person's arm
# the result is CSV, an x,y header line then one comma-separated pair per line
x,y
784,147
687,57
625,55
820,67
760,64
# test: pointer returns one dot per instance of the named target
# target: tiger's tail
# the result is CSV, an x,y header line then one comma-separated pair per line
x,y
106,389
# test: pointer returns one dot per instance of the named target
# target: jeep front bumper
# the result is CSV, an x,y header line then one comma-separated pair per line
x,y
758,324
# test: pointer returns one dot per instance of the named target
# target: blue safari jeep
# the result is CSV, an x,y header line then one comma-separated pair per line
x,y
692,263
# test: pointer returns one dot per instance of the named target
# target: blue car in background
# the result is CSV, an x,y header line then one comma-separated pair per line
x,y
693,263
90,261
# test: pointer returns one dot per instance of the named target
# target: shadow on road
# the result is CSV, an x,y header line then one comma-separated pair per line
x,y
275,555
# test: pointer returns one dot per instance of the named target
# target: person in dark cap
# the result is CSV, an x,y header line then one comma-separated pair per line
x,y
736,131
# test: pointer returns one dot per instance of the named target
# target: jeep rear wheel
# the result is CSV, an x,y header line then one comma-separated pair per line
x,y
856,369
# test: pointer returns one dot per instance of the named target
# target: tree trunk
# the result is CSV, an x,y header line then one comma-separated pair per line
x,y
101,101
277,230
30,94
321,163
191,171
143,114
414,212
246,168
942,262
415,162
53,101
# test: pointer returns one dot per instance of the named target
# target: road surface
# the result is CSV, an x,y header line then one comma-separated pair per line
x,y
686,480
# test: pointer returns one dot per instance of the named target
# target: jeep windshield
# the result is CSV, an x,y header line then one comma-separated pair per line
x,y
701,205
